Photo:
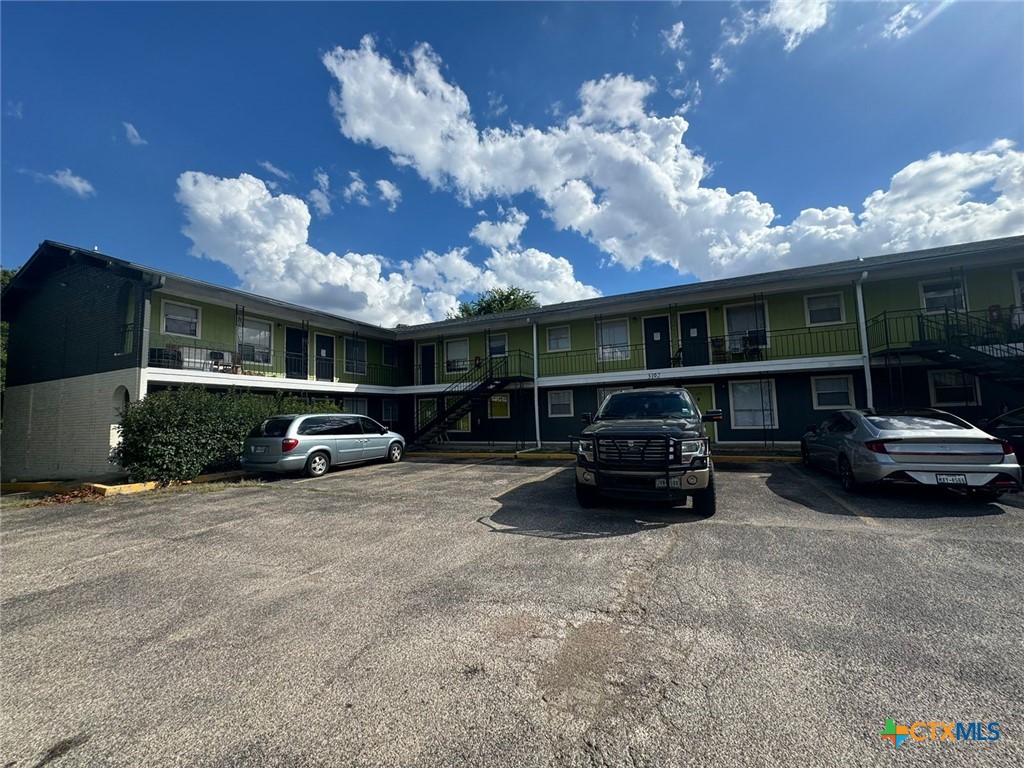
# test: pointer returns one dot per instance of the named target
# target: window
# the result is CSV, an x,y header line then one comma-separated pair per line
x,y
182,319
753,404
463,424
953,388
558,339
354,405
389,411
613,340
456,355
498,407
832,392
940,295
426,410
560,403
255,344
745,323
825,309
603,392
355,356
371,427
497,345
388,357
1017,316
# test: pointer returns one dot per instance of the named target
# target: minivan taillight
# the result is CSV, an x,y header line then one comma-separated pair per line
x,y
876,446
288,444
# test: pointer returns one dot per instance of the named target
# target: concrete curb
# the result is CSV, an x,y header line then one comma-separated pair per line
x,y
719,459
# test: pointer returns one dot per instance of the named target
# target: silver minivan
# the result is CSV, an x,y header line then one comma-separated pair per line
x,y
314,442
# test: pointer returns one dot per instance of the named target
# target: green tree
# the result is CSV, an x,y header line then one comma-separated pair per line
x,y
6,275
497,300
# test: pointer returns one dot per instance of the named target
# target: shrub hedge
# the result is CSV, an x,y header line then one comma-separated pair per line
x,y
180,434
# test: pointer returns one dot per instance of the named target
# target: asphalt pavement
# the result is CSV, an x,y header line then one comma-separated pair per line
x,y
469,613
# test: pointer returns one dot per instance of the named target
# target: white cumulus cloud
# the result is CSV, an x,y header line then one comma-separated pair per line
x,y
132,134
899,24
389,193
501,234
356,189
796,19
673,37
264,239
64,179
320,197
271,168
624,178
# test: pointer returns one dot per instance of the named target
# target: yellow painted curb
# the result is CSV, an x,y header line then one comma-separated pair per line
x,y
120,490
555,456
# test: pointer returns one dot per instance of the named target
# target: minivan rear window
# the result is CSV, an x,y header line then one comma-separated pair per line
x,y
272,428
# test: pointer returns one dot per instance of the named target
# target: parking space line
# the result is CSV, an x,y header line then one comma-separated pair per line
x,y
834,497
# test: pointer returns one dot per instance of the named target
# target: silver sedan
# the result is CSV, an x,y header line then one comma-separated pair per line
x,y
918,447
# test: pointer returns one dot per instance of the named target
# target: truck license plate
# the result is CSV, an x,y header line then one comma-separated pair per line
x,y
949,479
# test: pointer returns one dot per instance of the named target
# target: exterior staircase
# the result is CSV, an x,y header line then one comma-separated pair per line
x,y
475,386
971,344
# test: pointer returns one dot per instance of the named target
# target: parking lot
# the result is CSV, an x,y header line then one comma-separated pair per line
x,y
469,613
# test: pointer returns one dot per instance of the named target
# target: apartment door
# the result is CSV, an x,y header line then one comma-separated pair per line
x,y
296,355
693,334
427,364
657,346
324,357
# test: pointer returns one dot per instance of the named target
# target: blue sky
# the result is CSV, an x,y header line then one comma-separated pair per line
x,y
384,160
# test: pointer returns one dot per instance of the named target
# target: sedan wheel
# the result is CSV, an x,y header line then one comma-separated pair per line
x,y
318,465
850,484
395,452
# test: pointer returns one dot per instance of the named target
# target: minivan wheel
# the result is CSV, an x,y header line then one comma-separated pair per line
x,y
318,464
846,477
395,452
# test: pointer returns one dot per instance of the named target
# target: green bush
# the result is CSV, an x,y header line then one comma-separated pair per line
x,y
180,434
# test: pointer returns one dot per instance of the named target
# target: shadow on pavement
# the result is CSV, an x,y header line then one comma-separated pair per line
x,y
821,492
548,509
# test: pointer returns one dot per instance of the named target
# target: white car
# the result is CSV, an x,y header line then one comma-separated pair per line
x,y
912,447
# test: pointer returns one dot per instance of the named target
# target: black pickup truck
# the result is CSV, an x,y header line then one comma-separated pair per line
x,y
647,444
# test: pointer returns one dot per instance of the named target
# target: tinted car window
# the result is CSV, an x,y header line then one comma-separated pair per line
x,y
371,427
346,427
272,428
910,422
316,425
638,405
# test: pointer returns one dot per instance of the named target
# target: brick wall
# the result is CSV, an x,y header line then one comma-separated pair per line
x,y
64,429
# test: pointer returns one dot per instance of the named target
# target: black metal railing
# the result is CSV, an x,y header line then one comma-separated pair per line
x,y
997,331
749,346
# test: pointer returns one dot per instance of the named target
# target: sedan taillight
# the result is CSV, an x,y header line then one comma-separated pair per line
x,y
288,444
1007,448
876,446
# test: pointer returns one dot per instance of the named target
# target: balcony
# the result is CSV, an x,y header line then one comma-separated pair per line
x,y
201,356
752,347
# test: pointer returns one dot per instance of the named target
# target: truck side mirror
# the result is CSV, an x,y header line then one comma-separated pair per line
x,y
715,414
585,417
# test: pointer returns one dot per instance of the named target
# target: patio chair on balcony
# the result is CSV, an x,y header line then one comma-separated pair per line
x,y
752,344
719,353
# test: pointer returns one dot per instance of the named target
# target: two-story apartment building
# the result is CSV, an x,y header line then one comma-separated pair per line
x,y
88,332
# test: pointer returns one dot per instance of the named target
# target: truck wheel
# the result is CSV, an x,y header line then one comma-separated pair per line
x,y
586,495
705,502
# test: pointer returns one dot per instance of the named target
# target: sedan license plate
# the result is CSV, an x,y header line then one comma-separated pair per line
x,y
950,479
263,449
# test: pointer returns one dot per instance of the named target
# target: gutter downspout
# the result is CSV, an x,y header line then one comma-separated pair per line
x,y
536,390
863,327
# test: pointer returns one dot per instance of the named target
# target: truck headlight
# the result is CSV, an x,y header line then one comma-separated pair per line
x,y
585,449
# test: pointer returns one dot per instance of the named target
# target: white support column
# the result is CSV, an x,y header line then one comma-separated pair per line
x,y
536,390
865,352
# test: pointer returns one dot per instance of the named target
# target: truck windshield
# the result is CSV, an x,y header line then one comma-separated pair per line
x,y
638,405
